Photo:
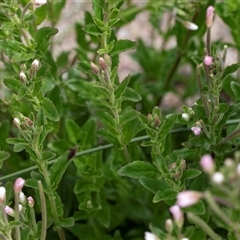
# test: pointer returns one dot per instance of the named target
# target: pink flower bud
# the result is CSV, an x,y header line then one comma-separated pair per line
x,y
9,211
207,163
208,60
188,198
95,68
2,195
177,214
209,16
18,185
196,130
102,63
30,202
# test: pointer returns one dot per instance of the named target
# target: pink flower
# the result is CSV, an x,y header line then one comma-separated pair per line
x,y
209,16
208,60
196,130
207,163
177,214
18,185
30,201
188,198
2,195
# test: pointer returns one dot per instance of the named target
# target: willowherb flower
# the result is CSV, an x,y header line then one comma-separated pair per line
x,y
177,215
218,177
209,16
2,195
18,185
30,202
16,122
208,60
150,236
188,198
22,77
196,130
207,164
190,25
9,211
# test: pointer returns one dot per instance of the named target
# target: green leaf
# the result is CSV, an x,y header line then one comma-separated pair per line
x,y
122,46
3,156
47,155
131,95
198,208
167,126
97,6
49,110
138,169
113,21
235,86
100,24
58,168
45,33
67,222
128,116
41,13
190,173
104,215
16,141
197,60
92,29
73,130
105,134
230,69
164,195
122,87
108,121
12,84
154,185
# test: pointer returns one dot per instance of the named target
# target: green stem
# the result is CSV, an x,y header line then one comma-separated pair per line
x,y
43,210
208,41
203,225
213,205
33,219
16,208
6,223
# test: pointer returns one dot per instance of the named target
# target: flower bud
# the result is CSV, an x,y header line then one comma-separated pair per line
x,y
2,195
218,177
30,202
190,25
209,16
208,60
22,198
196,130
20,207
169,225
102,63
95,68
185,117
9,211
182,164
28,121
22,77
207,164
188,198
35,65
18,185
177,215
16,122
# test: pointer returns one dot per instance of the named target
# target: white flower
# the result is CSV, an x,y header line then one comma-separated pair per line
x,y
35,65
150,236
39,2
185,117
22,76
22,198
218,177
